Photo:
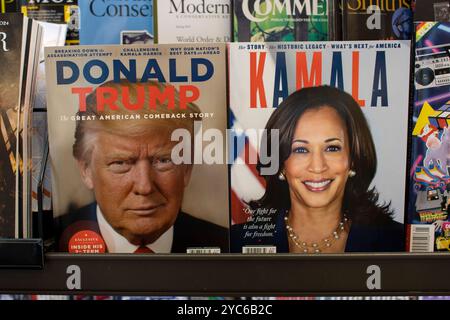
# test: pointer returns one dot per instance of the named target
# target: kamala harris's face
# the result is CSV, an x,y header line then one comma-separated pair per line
x,y
318,166
136,185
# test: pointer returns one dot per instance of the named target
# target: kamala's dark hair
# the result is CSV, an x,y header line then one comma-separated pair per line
x,y
359,203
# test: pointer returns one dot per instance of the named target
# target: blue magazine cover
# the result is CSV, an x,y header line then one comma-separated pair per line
x,y
116,22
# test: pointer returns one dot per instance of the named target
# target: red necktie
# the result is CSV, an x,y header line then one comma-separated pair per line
x,y
143,249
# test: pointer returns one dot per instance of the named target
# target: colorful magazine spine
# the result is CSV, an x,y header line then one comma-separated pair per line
x,y
429,176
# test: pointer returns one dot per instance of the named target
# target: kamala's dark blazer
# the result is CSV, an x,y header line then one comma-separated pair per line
x,y
188,231
385,235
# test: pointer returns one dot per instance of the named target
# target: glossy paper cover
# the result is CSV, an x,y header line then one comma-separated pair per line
x,y
429,176
10,86
377,20
261,76
193,21
284,20
171,85
116,22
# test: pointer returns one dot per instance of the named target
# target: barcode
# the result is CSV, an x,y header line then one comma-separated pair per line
x,y
259,249
203,250
422,238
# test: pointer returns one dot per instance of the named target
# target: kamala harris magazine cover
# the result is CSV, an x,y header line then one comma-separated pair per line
x,y
136,139
320,146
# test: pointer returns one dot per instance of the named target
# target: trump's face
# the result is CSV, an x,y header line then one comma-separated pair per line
x,y
136,185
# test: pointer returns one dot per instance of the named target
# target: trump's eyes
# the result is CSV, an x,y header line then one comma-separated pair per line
x,y
163,163
120,166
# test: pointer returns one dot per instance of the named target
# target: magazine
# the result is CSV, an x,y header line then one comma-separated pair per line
x,y
19,46
429,176
11,51
54,35
63,12
261,77
186,21
377,20
286,20
168,197
116,22
432,10
9,6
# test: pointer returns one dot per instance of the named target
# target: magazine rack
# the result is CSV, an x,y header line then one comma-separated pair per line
x,y
24,253
224,274
27,253
234,275
22,269
21,253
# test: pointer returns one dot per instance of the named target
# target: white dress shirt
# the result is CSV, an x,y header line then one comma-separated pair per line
x,y
116,243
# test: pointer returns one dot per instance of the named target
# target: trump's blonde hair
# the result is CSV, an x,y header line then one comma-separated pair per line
x,y
146,119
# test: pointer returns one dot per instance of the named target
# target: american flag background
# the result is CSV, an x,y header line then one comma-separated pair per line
x,y
247,184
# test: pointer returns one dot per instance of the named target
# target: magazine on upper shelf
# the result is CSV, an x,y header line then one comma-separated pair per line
x,y
9,6
53,35
374,77
432,10
19,45
429,178
190,21
116,22
284,20
377,20
136,147
55,11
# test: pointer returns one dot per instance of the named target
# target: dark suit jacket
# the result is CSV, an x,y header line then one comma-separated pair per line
x,y
386,236
188,230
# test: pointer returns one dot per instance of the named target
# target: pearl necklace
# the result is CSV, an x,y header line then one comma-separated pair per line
x,y
316,247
